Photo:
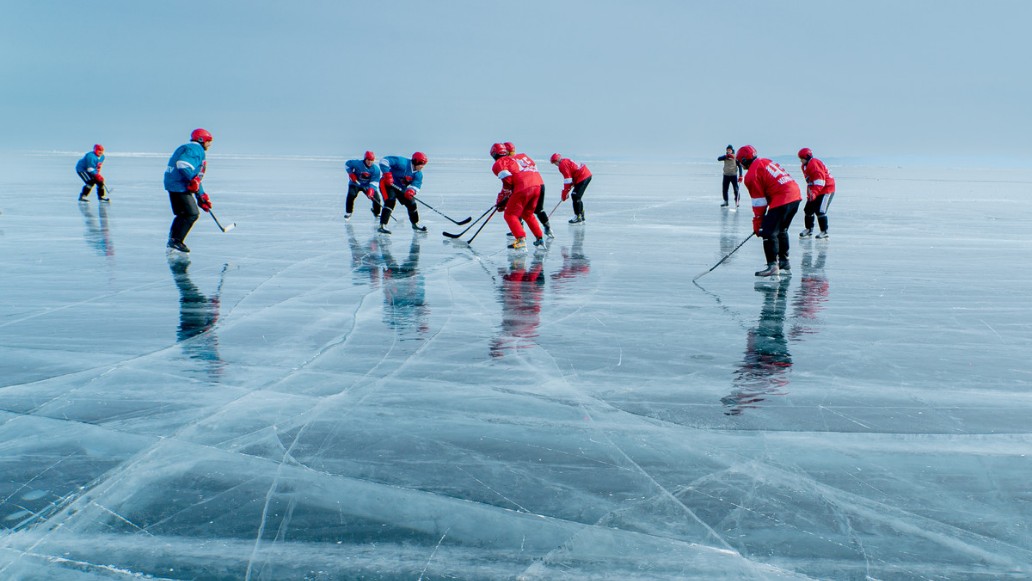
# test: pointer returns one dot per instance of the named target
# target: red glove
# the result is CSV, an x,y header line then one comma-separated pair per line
x,y
204,202
566,193
503,198
98,178
739,179
370,193
194,186
388,179
756,222
811,194
410,193
353,177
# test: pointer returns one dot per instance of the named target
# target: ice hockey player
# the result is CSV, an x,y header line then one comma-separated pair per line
x,y
183,178
576,176
539,208
88,169
732,168
363,176
402,178
775,201
521,185
820,189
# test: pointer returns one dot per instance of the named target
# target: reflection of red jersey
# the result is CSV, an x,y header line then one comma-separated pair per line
x,y
573,172
770,185
818,179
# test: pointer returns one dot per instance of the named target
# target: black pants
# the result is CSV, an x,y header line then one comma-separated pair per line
x,y
774,230
184,206
90,182
394,195
818,208
731,180
353,190
578,193
539,210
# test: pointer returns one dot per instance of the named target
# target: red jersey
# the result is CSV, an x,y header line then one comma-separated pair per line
x,y
517,172
818,179
573,172
770,185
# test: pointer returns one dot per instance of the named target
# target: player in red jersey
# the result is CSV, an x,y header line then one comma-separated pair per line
x,y
576,176
539,208
521,185
820,188
775,201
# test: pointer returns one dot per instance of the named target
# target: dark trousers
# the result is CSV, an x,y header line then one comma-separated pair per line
x,y
731,180
353,190
774,230
539,209
578,193
818,207
395,195
184,206
90,182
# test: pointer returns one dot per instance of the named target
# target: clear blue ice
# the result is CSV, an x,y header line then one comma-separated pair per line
x,y
303,398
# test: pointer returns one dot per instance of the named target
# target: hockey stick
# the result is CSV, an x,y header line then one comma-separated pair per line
x,y
555,208
450,235
721,261
470,241
221,227
466,221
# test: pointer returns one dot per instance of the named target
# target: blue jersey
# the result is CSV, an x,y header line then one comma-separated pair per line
x,y
185,164
367,177
90,163
405,177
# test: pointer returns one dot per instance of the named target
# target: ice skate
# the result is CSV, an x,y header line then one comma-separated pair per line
x,y
347,216
177,245
822,236
784,268
518,244
578,219
806,233
383,230
771,270
419,228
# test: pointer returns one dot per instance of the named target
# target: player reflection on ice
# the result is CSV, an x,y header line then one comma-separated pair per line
x,y
810,296
520,294
97,234
404,286
575,262
764,369
197,317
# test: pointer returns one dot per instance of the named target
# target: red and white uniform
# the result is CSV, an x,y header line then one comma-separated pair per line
x,y
818,179
521,185
573,173
769,186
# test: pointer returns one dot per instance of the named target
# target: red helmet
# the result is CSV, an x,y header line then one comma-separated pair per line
x,y
419,158
369,156
555,158
201,136
499,150
98,149
510,147
746,154
805,153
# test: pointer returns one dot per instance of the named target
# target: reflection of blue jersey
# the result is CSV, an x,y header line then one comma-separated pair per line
x,y
405,177
185,164
368,177
90,163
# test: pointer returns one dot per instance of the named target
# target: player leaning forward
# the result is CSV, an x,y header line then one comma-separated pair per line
x,y
521,186
775,201
183,182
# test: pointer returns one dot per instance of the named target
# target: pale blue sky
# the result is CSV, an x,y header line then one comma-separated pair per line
x,y
599,78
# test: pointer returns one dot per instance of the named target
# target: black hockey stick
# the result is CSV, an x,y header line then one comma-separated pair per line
x,y
221,227
470,241
466,221
450,235
721,261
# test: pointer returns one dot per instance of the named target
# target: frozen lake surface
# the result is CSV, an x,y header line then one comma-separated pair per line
x,y
306,399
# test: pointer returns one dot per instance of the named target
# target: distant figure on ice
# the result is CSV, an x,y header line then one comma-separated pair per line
x,y
732,168
775,201
402,178
521,185
820,188
363,176
576,176
88,169
539,208
183,178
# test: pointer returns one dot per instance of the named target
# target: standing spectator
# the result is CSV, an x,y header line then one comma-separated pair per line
x,y
820,188
402,178
183,178
576,176
363,176
775,201
732,167
88,169
521,185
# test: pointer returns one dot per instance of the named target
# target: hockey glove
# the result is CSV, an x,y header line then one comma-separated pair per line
x,y
566,194
370,193
500,202
388,179
409,194
98,178
757,221
204,202
194,186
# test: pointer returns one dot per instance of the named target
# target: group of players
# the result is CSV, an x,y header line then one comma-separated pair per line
x,y
775,195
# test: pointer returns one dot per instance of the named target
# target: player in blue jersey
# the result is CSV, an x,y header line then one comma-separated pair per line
x,y
88,169
402,178
363,176
183,178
